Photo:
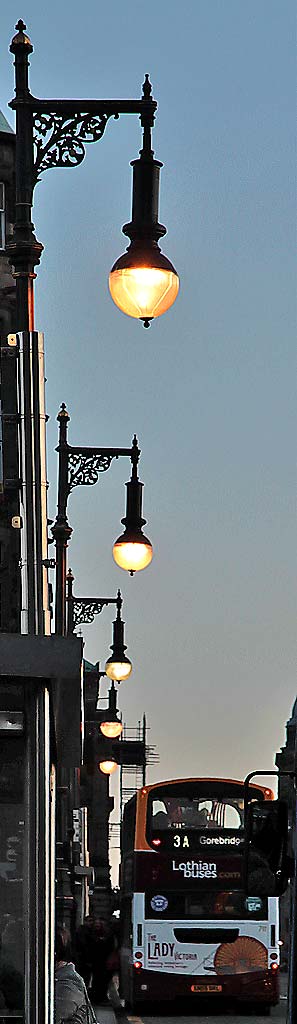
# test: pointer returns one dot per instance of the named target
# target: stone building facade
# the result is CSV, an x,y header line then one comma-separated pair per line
x,y
10,589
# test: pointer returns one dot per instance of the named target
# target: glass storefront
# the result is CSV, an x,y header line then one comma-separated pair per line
x,y
12,833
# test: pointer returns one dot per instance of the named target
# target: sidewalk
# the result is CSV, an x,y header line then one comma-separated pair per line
x,y
105,1014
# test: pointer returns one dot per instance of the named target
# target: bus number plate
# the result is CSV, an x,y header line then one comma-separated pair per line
x,y
206,988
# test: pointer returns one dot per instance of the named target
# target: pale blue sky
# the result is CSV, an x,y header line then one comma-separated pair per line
x,y
210,388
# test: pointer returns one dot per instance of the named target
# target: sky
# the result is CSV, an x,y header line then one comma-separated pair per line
x,y
209,388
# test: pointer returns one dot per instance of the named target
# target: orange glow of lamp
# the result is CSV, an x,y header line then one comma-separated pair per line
x,y
108,767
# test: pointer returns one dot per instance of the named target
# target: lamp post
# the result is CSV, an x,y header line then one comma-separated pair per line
x,y
83,466
143,282
83,609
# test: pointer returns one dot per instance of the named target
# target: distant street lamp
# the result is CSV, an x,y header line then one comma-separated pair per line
x,y
111,726
133,551
118,667
83,609
103,727
108,765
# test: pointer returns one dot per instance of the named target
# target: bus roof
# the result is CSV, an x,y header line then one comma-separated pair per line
x,y
202,778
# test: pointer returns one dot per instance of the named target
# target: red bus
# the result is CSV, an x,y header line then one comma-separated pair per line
x,y
188,928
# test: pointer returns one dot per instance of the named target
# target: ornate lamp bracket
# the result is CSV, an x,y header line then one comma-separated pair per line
x,y
60,139
84,467
84,609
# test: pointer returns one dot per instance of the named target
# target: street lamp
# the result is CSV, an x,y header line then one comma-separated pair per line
x,y
111,726
132,550
78,466
83,609
102,727
108,765
143,282
118,666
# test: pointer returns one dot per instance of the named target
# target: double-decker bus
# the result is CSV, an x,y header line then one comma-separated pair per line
x,y
188,928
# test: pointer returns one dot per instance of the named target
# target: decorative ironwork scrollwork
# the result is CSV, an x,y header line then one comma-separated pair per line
x,y
60,139
85,469
84,609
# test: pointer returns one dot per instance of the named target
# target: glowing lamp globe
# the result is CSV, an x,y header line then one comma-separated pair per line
x,y
118,669
132,552
143,282
111,729
108,766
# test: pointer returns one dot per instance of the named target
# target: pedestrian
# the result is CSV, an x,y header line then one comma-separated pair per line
x,y
95,949
72,1002
113,966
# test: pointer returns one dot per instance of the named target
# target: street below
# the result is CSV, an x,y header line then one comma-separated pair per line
x,y
213,1015
277,1014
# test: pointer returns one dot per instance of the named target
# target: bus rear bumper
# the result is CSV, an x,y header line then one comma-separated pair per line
x,y
257,987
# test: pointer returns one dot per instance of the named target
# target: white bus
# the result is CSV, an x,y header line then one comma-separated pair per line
x,y
188,928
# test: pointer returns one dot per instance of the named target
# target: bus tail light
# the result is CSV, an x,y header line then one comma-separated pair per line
x,y
156,842
274,967
137,965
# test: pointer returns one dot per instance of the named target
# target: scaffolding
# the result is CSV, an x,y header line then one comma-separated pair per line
x,y
132,776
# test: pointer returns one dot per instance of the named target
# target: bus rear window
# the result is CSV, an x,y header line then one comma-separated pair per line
x,y
220,906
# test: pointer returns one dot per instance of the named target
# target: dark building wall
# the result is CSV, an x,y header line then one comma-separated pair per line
x,y
10,593
285,761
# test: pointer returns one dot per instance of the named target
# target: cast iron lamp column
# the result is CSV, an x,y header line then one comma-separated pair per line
x,y
83,466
